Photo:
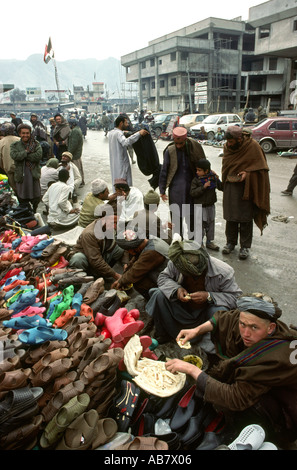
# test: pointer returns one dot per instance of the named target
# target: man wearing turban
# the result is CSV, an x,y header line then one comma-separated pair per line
x,y
254,378
190,290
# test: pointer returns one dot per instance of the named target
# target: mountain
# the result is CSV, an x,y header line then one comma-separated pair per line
x,y
33,72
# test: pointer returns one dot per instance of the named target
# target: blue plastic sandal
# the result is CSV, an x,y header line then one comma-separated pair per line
x,y
17,289
21,276
24,300
76,302
25,322
42,245
41,334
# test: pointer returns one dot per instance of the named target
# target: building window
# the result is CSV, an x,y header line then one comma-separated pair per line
x,y
184,55
295,25
128,70
264,31
153,85
173,82
143,65
143,86
173,56
152,62
160,61
162,83
272,63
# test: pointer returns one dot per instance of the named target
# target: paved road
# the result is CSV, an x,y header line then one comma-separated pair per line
x,y
271,268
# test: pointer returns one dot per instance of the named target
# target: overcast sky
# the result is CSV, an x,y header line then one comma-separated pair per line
x,y
99,29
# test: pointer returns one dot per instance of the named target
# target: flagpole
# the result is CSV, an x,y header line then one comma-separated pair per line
x,y
57,79
49,55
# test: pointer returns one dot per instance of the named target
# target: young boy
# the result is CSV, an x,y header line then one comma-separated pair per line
x,y
203,191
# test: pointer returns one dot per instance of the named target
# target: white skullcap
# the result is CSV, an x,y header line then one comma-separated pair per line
x,y
98,186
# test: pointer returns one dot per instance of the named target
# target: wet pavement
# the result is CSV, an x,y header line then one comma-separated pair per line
x,y
271,267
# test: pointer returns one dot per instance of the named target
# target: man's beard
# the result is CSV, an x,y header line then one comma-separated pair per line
x,y
235,146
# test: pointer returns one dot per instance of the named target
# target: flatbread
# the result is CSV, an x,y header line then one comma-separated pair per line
x,y
187,344
149,374
154,378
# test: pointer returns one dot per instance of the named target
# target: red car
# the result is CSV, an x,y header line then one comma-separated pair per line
x,y
276,133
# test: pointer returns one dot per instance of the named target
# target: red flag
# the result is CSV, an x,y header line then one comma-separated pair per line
x,y
48,53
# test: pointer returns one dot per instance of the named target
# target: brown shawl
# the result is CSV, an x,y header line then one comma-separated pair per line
x,y
250,158
244,374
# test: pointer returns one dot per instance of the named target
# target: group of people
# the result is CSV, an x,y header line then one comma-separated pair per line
x,y
190,295
22,153
249,115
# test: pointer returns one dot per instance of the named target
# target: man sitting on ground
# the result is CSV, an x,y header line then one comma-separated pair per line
x,y
146,220
148,259
190,290
97,197
49,174
130,200
96,251
61,213
74,180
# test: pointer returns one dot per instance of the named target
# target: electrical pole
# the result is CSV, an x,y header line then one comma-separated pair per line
x,y
189,87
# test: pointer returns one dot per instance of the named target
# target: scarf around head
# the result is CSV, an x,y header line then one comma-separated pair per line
x,y
52,163
189,257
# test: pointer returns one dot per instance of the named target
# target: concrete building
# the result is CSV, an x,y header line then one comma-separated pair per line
x,y
89,99
242,62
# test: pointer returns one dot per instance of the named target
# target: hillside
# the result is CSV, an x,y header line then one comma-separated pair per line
x,y
33,72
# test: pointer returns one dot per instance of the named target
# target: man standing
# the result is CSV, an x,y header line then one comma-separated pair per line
x,y
119,160
246,190
178,170
83,124
291,184
75,146
26,154
61,133
6,161
16,121
39,130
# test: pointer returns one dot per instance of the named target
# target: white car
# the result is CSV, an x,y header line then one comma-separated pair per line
x,y
8,119
214,121
190,120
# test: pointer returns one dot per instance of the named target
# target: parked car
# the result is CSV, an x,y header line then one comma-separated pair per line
x,y
8,119
190,120
276,133
288,113
161,122
213,121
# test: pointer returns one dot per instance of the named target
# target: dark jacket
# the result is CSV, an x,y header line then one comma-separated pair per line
x,y
20,156
75,142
